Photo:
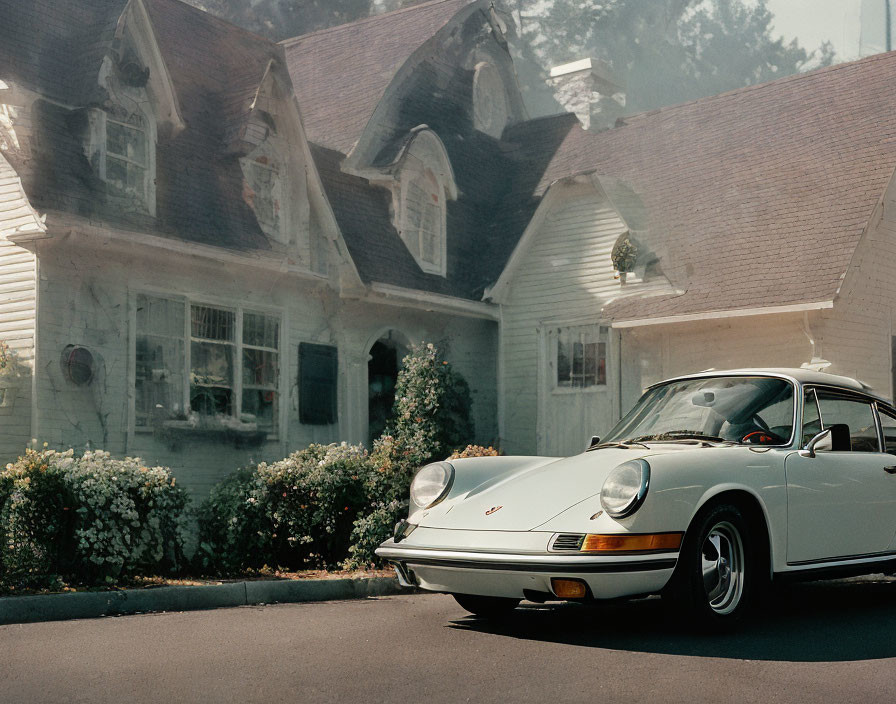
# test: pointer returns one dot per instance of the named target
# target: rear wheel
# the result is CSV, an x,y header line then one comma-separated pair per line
x,y
487,606
718,573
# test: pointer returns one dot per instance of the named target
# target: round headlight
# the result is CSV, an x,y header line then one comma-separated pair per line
x,y
625,488
431,484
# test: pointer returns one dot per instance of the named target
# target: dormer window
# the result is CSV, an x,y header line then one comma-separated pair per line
x,y
264,181
121,147
490,110
426,182
424,221
264,176
127,160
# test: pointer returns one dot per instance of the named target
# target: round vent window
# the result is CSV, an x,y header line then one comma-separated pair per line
x,y
490,113
78,364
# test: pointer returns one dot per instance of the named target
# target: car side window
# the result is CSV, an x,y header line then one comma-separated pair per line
x,y
858,415
888,425
811,419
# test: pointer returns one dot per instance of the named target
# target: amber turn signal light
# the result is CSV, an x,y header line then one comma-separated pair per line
x,y
569,588
645,542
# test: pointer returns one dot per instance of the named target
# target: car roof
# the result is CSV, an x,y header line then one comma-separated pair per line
x,y
799,375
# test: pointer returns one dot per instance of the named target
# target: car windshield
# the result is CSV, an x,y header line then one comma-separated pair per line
x,y
743,410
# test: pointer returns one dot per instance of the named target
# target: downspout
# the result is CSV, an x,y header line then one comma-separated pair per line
x,y
807,331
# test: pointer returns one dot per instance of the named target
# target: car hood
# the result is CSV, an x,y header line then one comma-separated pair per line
x,y
519,501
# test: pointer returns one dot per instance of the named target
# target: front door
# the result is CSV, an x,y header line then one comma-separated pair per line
x,y
576,391
839,504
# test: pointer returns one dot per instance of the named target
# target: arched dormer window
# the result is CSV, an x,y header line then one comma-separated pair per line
x,y
426,183
264,176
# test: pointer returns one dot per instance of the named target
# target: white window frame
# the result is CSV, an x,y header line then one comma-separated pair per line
x,y
273,148
599,335
413,236
239,310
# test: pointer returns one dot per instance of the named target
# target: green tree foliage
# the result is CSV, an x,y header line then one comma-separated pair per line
x,y
282,19
666,51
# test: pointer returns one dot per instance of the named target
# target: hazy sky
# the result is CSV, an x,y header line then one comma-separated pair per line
x,y
814,21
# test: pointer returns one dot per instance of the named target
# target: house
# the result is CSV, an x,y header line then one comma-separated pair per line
x,y
174,277
763,220
215,249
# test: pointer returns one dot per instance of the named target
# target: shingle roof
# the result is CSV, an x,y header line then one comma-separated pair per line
x,y
341,73
55,49
756,197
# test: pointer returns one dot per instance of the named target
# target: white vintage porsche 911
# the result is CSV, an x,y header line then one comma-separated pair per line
x,y
709,487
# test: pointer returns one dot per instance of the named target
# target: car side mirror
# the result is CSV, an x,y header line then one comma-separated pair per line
x,y
820,443
595,440
834,438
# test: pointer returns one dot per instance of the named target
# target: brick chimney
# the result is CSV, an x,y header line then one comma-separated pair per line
x,y
589,89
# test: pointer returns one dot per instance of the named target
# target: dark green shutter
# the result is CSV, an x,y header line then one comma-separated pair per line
x,y
318,373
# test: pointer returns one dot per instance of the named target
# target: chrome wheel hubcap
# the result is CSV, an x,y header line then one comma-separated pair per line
x,y
722,564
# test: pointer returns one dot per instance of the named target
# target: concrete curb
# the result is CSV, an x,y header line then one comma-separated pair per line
x,y
62,607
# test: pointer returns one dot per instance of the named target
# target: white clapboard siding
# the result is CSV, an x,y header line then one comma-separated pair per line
x,y
18,279
566,274
857,333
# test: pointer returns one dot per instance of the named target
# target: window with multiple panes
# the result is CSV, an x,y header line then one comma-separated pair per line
x,y
127,158
225,364
264,179
581,357
422,228
159,378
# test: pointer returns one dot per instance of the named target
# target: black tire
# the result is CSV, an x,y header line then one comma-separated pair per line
x,y
487,606
718,571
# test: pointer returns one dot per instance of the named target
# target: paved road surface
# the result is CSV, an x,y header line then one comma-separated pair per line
x,y
831,643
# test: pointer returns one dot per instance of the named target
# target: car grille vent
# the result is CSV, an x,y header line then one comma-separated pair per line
x,y
568,541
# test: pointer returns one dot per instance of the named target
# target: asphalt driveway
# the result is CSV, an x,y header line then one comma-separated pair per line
x,y
826,642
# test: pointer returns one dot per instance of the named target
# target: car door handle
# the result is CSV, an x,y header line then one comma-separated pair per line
x,y
890,470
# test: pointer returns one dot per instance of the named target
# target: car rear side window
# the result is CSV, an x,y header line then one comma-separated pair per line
x,y
856,414
888,425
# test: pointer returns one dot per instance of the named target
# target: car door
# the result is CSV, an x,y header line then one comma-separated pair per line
x,y
839,504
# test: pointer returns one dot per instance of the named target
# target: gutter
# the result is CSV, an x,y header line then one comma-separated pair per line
x,y
722,314
431,302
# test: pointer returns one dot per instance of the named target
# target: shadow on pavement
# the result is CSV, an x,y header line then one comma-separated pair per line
x,y
811,622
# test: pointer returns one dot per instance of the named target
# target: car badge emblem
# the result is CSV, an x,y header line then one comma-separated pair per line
x,y
493,509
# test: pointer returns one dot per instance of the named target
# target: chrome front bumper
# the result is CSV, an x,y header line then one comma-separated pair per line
x,y
511,574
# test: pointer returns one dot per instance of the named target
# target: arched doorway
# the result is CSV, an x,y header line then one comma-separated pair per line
x,y
383,363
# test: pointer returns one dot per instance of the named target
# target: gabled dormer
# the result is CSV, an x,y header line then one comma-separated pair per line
x,y
136,104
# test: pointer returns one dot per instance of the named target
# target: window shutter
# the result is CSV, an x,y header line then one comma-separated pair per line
x,y
318,372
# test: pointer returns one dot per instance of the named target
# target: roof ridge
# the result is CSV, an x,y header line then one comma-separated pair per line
x,y
758,86
366,20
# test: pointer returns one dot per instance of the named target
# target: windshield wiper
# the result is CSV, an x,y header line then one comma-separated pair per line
x,y
627,445
676,435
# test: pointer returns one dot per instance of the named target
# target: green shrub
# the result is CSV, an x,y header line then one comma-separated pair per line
x,y
295,513
89,519
431,415
432,408
331,504
233,530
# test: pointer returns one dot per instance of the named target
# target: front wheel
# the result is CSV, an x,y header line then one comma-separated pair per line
x,y
717,572
487,606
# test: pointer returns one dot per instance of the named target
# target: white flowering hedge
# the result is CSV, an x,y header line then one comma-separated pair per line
x,y
90,518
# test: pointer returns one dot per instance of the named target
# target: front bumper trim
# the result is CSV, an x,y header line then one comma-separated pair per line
x,y
523,563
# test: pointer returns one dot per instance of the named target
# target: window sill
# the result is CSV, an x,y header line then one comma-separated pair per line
x,y
176,433
563,391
